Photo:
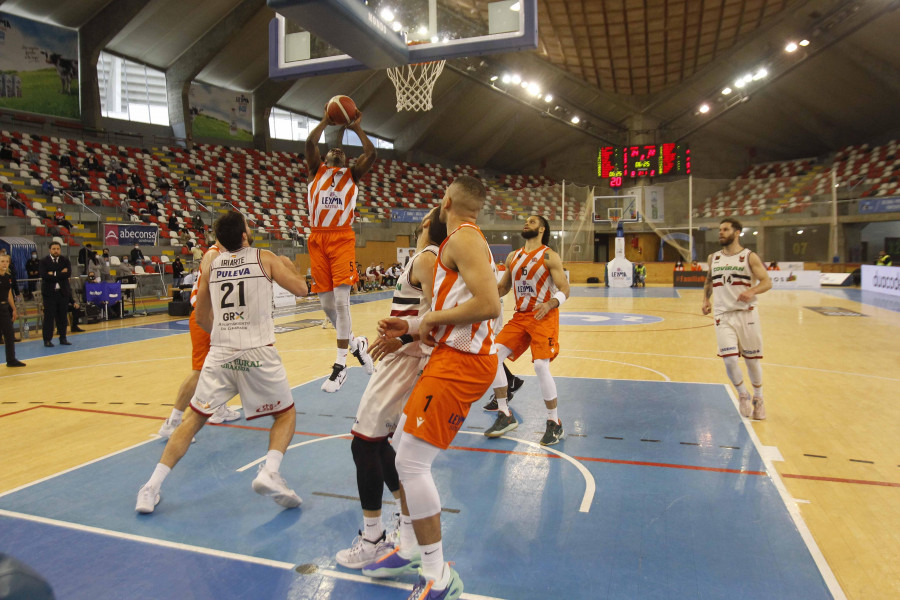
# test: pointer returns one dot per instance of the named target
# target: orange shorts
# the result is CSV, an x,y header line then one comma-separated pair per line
x,y
199,344
451,382
524,331
332,257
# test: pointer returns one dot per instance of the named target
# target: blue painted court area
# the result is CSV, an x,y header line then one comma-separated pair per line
x,y
599,291
885,301
605,319
659,493
91,340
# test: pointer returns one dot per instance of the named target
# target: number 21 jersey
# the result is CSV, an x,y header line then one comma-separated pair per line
x,y
242,299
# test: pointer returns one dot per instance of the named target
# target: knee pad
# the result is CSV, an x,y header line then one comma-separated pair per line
x,y
414,459
369,474
754,368
342,322
733,368
327,301
545,379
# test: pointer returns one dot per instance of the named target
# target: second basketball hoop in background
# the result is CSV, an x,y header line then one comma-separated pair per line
x,y
341,110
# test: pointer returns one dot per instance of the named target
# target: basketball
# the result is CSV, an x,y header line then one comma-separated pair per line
x,y
341,110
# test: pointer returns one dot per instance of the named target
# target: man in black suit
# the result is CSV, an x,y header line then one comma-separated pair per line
x,y
55,292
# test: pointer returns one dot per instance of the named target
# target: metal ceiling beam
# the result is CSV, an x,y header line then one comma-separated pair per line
x,y
182,71
93,37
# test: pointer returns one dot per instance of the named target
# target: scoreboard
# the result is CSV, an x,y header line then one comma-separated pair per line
x,y
618,162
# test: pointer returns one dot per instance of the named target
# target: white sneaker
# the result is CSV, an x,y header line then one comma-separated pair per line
x,y
326,324
167,429
744,405
362,354
147,499
363,552
223,414
759,408
394,536
337,378
269,483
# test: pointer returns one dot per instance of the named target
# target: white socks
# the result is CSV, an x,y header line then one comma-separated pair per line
x,y
552,415
372,528
273,460
176,416
341,356
159,475
408,542
433,564
502,403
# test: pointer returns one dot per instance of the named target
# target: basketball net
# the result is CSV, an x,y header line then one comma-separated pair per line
x,y
415,84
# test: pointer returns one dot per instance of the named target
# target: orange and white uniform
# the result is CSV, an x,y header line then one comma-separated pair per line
x,y
200,341
462,365
332,243
532,285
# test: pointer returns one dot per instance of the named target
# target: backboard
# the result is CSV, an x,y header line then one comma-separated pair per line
x,y
626,209
316,37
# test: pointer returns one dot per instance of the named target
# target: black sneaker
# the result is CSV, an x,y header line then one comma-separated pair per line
x,y
553,434
502,425
515,383
492,405
15,363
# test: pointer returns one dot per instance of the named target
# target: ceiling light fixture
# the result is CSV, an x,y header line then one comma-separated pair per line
x,y
726,91
548,98
516,79
576,120
704,108
791,47
387,14
804,43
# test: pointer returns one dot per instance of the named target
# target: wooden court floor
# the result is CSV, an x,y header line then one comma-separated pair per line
x,y
830,383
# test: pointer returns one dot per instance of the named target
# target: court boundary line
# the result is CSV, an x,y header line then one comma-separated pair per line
x,y
792,507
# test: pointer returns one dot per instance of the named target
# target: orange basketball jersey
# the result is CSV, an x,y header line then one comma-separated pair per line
x,y
332,198
197,281
450,290
531,278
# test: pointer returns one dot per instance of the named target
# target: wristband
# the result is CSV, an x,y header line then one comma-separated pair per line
x,y
406,338
560,297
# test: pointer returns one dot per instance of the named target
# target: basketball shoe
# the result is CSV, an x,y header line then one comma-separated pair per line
x,y
362,552
147,499
501,425
272,484
744,405
424,589
362,354
553,434
492,405
224,414
337,378
393,565
759,408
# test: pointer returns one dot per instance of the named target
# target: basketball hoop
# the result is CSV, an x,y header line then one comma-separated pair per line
x,y
614,220
415,83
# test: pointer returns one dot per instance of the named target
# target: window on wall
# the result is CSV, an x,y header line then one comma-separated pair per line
x,y
131,92
286,125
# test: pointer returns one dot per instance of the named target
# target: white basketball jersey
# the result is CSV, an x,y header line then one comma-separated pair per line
x,y
409,302
242,299
731,275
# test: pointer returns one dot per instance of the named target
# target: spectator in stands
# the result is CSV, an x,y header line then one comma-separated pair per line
x,y
55,294
93,266
133,193
33,158
61,221
125,268
14,202
156,194
695,266
162,183
185,238
79,185
197,221
84,255
197,253
185,183
105,265
6,152
773,266
94,164
210,238
136,181
884,259
112,179
372,275
137,257
173,222
65,161
92,277
679,265
33,270
191,277
8,313
177,271
640,275
47,188
294,234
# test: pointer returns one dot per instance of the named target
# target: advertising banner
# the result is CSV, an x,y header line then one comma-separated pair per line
x,y
694,279
884,280
282,297
789,280
38,67
220,113
878,205
408,215
119,234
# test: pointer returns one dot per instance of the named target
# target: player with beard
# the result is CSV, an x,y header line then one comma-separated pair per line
x,y
332,242
535,272
736,275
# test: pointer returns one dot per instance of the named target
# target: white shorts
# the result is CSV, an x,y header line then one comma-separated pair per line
x,y
257,375
389,388
739,332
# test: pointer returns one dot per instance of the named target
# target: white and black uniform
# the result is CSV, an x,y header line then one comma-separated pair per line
x,y
738,329
242,356
396,374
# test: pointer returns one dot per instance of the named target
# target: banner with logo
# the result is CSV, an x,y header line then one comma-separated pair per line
x,y
408,215
282,297
694,279
403,255
120,234
878,205
220,113
38,67
884,280
790,280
